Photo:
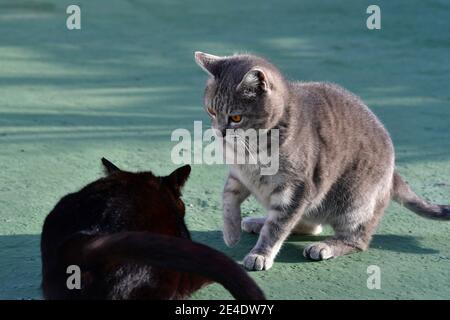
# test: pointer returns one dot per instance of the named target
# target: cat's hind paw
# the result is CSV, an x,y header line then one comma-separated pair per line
x,y
257,262
307,229
252,224
318,251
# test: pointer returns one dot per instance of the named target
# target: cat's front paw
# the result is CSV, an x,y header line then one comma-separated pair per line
x,y
318,251
257,262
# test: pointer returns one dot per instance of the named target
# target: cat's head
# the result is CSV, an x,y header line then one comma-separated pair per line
x,y
157,198
243,92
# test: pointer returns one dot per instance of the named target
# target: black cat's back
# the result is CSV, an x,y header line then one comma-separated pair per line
x,y
106,206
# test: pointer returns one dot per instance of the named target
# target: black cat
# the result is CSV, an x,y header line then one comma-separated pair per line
x,y
126,233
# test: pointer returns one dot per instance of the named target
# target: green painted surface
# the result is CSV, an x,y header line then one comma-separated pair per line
x,y
118,88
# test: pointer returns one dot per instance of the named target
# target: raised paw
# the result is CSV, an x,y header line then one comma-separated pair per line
x,y
318,251
257,262
252,224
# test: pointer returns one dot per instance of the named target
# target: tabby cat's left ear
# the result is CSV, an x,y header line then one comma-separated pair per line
x,y
178,178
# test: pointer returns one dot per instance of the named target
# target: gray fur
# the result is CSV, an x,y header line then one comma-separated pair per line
x,y
336,163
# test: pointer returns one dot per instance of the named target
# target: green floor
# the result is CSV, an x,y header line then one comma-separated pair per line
x,y
118,88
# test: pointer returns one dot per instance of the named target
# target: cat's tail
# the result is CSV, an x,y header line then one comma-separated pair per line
x,y
177,254
403,194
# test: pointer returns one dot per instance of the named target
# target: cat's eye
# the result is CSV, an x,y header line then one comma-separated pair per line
x,y
211,112
236,118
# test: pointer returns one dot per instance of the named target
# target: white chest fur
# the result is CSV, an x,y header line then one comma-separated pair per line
x,y
259,185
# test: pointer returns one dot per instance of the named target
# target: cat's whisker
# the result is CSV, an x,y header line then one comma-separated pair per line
x,y
246,145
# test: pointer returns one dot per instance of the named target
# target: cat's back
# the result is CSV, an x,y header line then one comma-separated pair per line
x,y
343,114
341,130
110,205
328,96
78,211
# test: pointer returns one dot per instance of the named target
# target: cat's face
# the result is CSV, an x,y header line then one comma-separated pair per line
x,y
243,92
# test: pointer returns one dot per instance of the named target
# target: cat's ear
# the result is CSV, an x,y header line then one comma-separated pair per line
x,y
208,62
178,178
109,166
254,81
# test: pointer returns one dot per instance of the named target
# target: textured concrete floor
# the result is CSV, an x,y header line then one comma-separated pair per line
x,y
118,88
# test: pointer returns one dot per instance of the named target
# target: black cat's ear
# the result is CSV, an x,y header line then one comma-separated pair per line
x,y
109,166
178,178
254,81
208,62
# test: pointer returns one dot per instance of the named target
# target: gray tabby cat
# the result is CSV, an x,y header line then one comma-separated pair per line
x,y
336,163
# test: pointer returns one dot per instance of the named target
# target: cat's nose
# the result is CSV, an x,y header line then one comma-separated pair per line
x,y
223,132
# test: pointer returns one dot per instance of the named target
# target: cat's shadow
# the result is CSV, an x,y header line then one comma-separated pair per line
x,y
292,249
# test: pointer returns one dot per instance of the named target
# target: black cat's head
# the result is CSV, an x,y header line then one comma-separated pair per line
x,y
156,199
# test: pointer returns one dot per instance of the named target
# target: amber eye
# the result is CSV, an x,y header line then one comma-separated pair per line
x,y
211,112
236,118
